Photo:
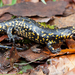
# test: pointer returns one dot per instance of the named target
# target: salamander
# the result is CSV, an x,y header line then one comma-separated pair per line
x,y
28,28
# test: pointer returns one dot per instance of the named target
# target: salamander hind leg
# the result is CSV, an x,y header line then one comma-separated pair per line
x,y
51,48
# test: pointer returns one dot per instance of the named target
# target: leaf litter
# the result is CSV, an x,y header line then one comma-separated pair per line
x,y
58,63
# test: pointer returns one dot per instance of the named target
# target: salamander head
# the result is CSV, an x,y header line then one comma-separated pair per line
x,y
73,33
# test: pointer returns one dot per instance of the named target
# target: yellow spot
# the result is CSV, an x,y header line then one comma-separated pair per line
x,y
53,41
43,35
6,48
68,36
24,26
64,36
62,33
29,37
42,31
0,26
56,38
43,39
52,48
73,31
10,23
29,22
23,20
49,45
40,25
50,34
53,35
29,33
33,33
34,30
30,25
25,29
46,39
59,36
37,37
73,27
32,37
71,36
13,25
27,26
56,35
40,41
50,42
47,36
3,27
30,28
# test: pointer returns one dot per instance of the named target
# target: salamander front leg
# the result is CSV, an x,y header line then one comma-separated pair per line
x,y
10,36
51,48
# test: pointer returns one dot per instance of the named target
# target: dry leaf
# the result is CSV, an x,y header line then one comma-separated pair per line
x,y
42,10
64,21
61,65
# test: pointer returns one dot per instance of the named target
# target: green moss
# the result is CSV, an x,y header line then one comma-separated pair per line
x,y
1,3
47,26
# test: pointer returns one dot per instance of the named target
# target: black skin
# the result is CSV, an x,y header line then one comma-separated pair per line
x,y
5,48
32,30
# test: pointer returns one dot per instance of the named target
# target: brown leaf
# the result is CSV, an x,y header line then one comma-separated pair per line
x,y
71,72
27,9
4,61
70,43
61,65
19,1
3,37
31,56
5,17
13,58
68,12
64,21
40,72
